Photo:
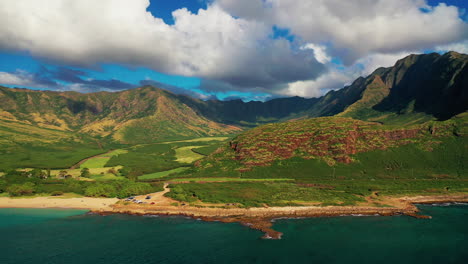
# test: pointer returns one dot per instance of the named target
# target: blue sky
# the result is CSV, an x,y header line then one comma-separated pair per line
x,y
222,52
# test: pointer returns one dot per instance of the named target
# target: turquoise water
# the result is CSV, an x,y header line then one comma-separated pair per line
x,y
70,236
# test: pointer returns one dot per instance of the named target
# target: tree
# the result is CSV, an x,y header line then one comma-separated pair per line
x,y
21,189
85,173
124,171
62,174
38,173
3,185
101,190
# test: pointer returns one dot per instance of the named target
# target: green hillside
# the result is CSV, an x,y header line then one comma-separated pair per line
x,y
140,115
333,161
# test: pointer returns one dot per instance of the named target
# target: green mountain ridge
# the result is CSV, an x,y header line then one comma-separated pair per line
x,y
424,87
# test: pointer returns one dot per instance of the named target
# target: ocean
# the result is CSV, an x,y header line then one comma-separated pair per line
x,y
74,236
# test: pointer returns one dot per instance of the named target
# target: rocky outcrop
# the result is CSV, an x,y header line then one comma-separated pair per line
x,y
330,138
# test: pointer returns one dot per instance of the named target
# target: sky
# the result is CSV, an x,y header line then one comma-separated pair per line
x,y
218,49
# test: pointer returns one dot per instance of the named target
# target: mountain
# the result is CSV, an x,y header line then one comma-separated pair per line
x,y
398,120
132,116
416,89
252,113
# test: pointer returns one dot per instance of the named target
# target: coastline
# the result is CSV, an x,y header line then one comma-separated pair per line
x,y
260,218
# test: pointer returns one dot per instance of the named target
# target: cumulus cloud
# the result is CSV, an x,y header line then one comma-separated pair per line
x,y
460,47
15,79
24,78
210,44
357,28
61,78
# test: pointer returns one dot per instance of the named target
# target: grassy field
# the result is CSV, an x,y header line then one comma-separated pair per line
x,y
76,172
158,175
106,177
186,155
50,156
202,139
101,160
27,146
191,180
161,157
206,150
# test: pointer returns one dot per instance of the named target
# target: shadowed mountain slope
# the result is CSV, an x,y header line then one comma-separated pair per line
x,y
418,88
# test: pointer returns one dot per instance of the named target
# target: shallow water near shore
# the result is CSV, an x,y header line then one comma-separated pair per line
x,y
72,236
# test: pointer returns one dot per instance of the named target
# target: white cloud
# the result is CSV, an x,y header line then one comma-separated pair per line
x,y
11,79
229,44
320,52
357,28
19,78
460,47
211,44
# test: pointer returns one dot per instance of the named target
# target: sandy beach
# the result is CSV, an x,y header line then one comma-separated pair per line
x,y
93,204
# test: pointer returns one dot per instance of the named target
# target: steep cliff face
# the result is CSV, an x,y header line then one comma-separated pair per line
x,y
428,86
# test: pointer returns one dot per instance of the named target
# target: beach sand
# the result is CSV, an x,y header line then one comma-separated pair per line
x,y
93,204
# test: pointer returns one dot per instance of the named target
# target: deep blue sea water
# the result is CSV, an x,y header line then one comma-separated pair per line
x,y
72,236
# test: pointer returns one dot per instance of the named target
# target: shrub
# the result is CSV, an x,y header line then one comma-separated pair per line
x,y
21,189
85,173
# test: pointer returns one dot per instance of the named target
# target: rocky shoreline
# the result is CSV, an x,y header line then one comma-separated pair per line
x,y
261,218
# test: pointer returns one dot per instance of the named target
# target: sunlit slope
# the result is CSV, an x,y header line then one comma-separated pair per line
x,y
133,116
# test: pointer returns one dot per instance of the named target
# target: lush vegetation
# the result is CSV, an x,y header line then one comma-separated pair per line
x,y
57,155
17,183
225,179
161,159
322,192
101,160
259,194
158,175
434,162
146,159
